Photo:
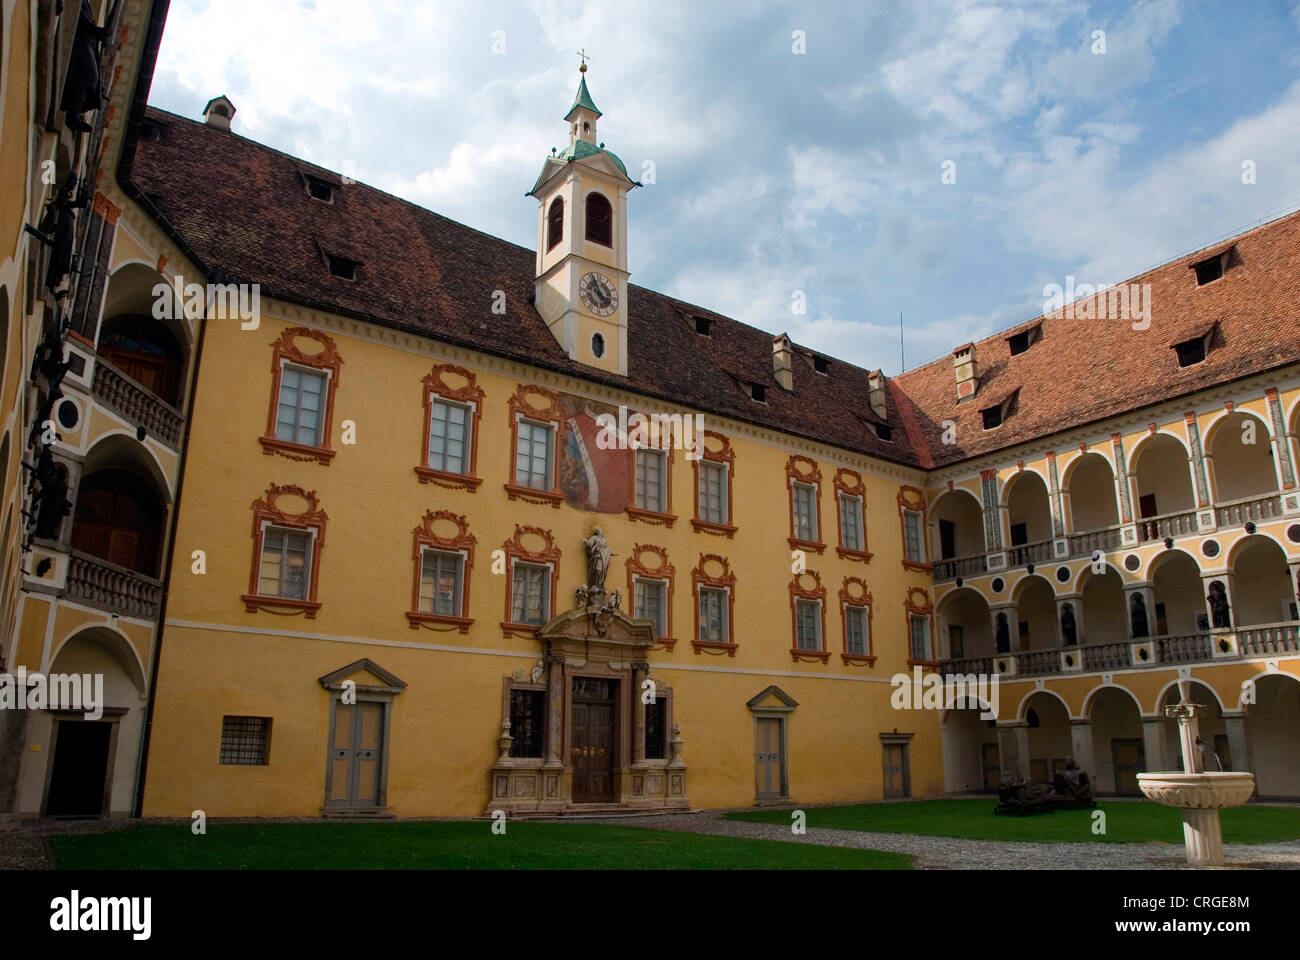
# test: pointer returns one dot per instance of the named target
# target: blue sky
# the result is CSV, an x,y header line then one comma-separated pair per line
x,y
777,171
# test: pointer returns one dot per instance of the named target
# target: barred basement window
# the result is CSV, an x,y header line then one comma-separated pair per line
x,y
245,741
656,717
526,722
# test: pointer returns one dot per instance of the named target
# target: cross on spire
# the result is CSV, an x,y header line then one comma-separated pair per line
x,y
583,54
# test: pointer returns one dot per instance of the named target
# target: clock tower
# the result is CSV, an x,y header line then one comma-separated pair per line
x,y
581,285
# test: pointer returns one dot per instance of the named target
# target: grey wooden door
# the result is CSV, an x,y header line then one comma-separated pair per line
x,y
356,755
769,758
897,776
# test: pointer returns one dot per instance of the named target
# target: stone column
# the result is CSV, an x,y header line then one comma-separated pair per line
x,y
1153,744
555,681
1235,725
1013,747
639,672
1081,745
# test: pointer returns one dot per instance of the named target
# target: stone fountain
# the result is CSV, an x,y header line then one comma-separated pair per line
x,y
1199,793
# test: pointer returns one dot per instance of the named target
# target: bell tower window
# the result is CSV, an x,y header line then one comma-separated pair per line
x,y
600,220
555,223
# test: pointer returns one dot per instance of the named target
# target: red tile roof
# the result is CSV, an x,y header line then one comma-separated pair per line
x,y
244,211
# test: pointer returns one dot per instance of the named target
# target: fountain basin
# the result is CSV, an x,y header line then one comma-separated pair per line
x,y
1227,788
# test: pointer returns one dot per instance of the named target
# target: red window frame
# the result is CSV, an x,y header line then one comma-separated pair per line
x,y
725,455
726,580
637,567
804,470
468,394
266,510
550,412
849,483
549,555
326,360
854,593
801,591
424,538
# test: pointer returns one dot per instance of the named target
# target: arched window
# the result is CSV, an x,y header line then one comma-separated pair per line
x,y
600,220
555,223
145,351
119,518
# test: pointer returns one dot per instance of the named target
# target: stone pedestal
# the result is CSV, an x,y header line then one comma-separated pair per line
x,y
1203,836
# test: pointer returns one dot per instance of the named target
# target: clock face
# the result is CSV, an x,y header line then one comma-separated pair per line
x,y
599,294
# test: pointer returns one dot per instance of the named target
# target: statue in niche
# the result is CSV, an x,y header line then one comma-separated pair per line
x,y
51,497
81,91
1138,617
1003,634
1069,630
1220,613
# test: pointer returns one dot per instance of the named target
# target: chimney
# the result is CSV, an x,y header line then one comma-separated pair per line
x,y
963,358
783,362
876,394
219,112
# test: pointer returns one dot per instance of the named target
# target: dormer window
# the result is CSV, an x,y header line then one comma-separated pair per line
x,y
884,432
1211,269
995,416
1023,340
320,189
341,267
702,325
821,365
758,392
1190,351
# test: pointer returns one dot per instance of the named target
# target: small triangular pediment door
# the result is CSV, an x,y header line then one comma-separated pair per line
x,y
369,677
772,698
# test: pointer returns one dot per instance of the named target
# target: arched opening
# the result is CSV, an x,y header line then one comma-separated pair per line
x,y
146,351
971,760
1180,598
966,630
1240,452
1216,753
150,351
121,506
1117,747
1089,492
1163,480
93,761
1261,585
555,223
1036,613
1273,725
958,527
600,220
1105,618
1029,519
1049,736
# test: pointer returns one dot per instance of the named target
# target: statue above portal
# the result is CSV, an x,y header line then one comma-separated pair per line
x,y
598,555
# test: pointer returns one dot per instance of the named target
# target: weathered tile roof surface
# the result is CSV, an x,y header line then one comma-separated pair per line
x,y
243,209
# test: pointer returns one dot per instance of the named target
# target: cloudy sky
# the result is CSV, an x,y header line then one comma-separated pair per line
x,y
778,171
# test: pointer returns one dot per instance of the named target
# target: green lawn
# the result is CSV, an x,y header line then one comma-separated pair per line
x,y
1126,821
445,846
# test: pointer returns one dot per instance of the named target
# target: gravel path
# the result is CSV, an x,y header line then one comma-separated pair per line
x,y
948,853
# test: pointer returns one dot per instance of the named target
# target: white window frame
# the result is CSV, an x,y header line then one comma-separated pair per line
x,y
800,604
811,488
269,527
325,376
550,453
856,503
459,591
924,620
546,611
724,510
724,601
466,441
864,610
640,457
661,626
920,537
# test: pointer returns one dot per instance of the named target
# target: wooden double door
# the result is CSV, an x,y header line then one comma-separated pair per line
x,y
357,769
594,740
